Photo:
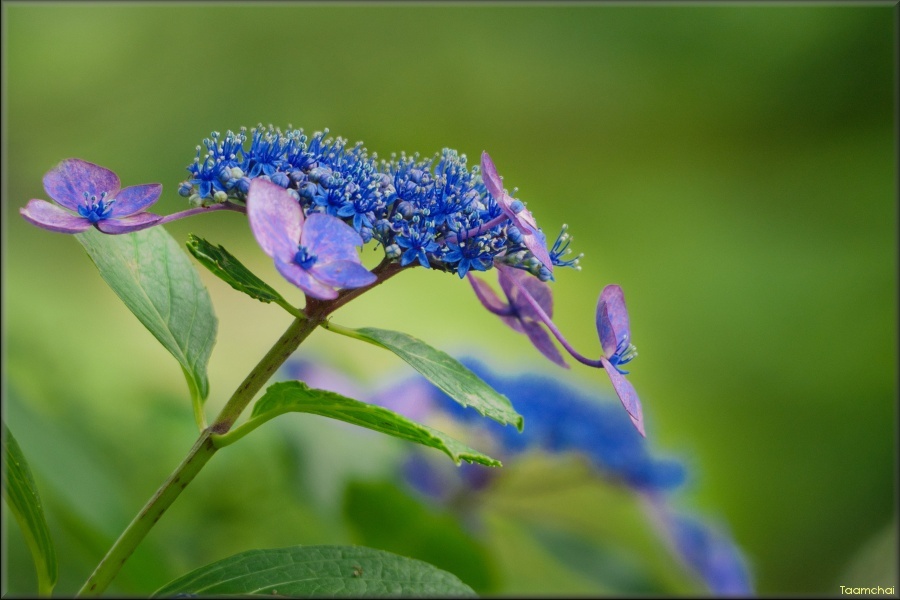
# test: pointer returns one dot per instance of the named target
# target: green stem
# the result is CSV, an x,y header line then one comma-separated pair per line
x,y
203,450
350,333
306,322
109,567
226,439
274,358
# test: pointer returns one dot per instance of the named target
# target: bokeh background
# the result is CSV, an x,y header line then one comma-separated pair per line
x,y
732,167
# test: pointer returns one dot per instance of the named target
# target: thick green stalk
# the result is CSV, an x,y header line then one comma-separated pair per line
x,y
109,567
274,358
315,314
199,455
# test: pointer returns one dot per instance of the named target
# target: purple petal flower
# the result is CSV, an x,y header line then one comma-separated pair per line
x,y
317,254
532,236
93,192
517,311
615,337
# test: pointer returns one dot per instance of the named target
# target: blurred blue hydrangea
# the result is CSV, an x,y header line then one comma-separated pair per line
x,y
559,419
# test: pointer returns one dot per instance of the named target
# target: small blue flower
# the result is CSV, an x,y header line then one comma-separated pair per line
x,y
266,154
417,244
469,254
561,248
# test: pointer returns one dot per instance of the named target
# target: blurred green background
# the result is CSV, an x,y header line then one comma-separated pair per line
x,y
732,167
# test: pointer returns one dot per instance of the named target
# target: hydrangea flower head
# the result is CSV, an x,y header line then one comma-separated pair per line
x,y
532,236
93,193
517,312
316,253
615,337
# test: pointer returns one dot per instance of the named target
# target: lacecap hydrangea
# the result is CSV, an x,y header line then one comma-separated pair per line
x,y
434,212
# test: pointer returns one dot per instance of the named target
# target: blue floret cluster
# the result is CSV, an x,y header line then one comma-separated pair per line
x,y
434,212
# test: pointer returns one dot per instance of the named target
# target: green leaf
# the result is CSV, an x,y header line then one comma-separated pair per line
x,y
230,270
296,396
157,282
384,516
320,571
22,498
442,370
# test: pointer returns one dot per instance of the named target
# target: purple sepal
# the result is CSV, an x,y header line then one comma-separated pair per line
x,y
134,199
50,217
536,288
343,273
135,222
488,298
612,320
543,342
628,396
491,178
533,238
304,280
67,182
276,219
517,312
328,236
317,254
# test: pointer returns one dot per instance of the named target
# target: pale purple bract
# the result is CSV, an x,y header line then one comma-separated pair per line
x,y
517,311
615,337
532,236
317,253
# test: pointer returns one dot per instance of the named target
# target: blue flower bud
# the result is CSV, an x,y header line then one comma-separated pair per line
x,y
405,209
281,178
320,175
243,185
185,189
307,190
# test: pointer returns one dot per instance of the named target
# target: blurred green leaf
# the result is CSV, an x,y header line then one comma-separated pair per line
x,y
158,283
382,515
320,571
442,370
230,270
596,560
296,396
22,498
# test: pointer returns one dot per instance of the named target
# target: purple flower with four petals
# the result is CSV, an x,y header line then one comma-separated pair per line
x,y
517,311
615,337
316,253
529,310
533,238
92,192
